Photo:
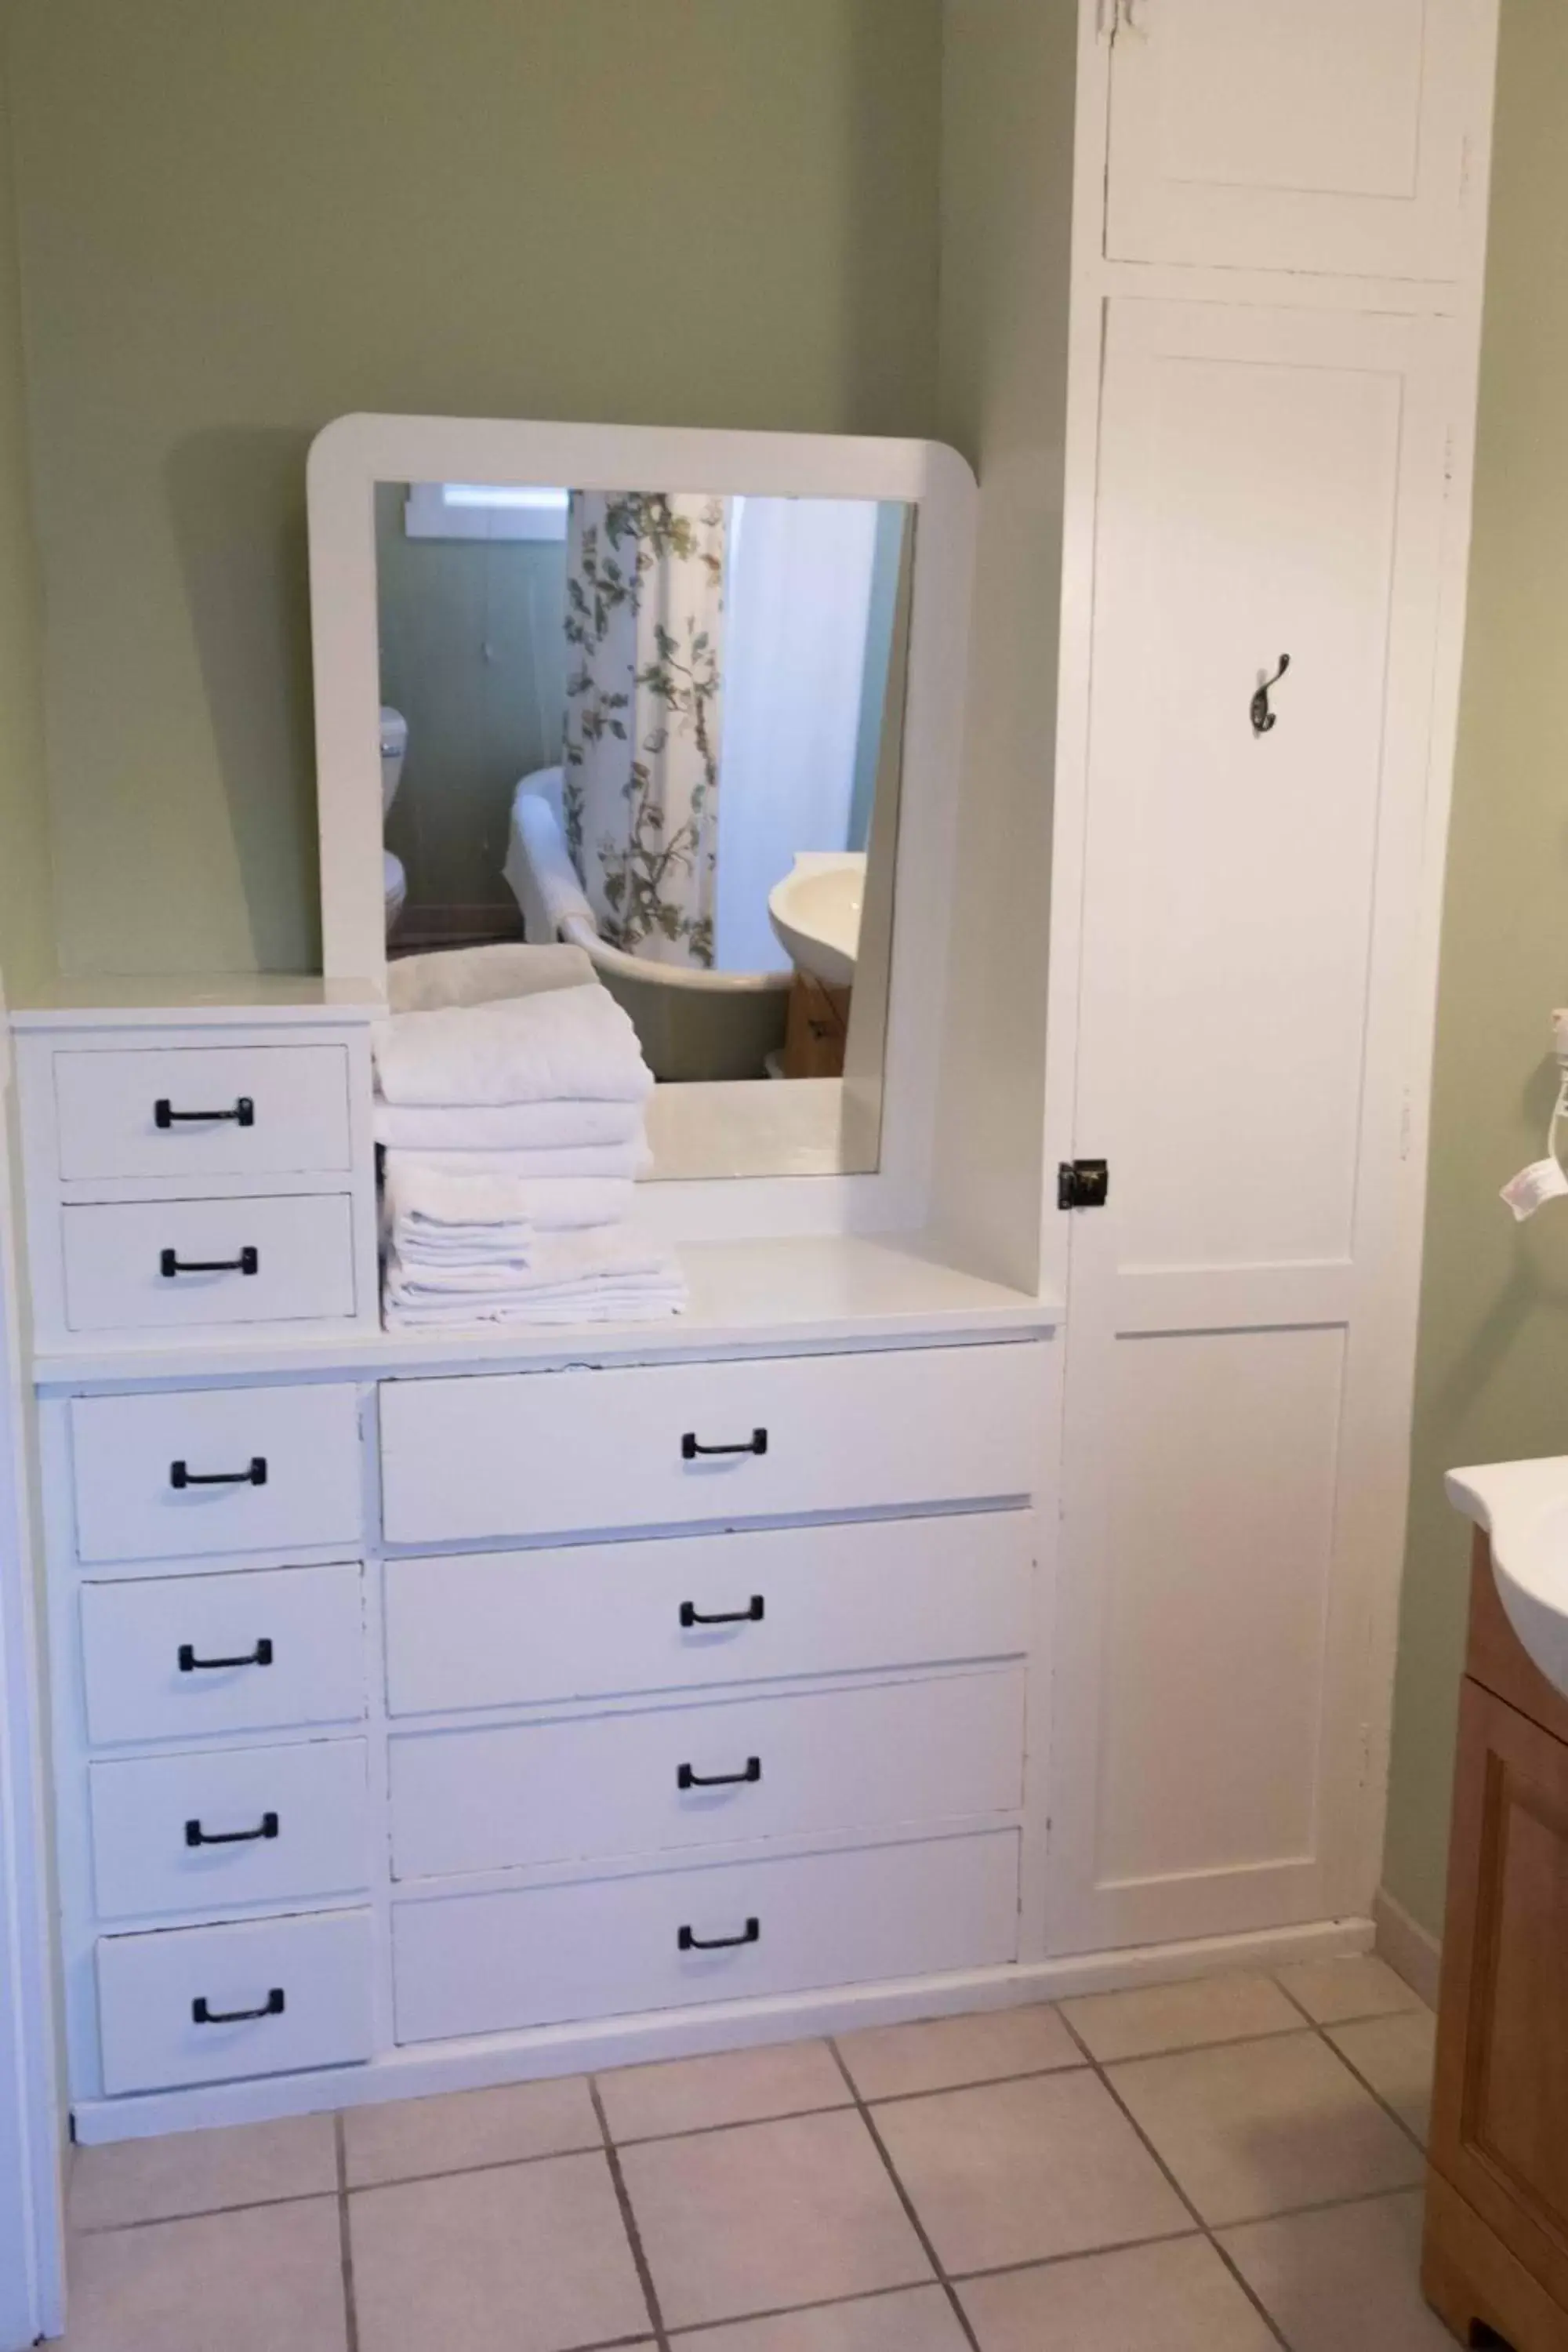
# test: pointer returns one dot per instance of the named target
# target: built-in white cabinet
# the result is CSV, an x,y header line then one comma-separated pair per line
x,y
1272,489
434,1709
1341,136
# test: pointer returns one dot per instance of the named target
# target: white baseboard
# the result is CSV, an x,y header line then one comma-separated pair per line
x,y
418,2071
1411,1952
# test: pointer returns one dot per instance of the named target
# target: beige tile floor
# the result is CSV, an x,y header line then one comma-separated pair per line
x,y
1225,2164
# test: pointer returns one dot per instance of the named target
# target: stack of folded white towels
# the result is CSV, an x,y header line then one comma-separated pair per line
x,y
512,1129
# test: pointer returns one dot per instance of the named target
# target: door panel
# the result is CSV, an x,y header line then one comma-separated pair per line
x,y
1500,2113
1217,1601
1269,483
1333,136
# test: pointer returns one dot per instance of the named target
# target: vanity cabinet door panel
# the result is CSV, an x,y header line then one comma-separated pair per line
x,y
1271,484
1343,136
1499,2116
678,1445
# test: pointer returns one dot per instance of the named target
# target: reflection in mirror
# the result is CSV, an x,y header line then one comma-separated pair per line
x,y
666,728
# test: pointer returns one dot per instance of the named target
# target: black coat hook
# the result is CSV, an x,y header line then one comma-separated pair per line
x,y
1263,718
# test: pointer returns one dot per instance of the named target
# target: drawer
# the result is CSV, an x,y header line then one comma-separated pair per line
x,y
208,1833
485,1963
107,1111
288,1460
155,1266
209,2005
551,1453
913,1755
505,1629
180,1657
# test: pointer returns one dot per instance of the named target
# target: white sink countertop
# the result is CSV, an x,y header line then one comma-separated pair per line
x,y
1523,1508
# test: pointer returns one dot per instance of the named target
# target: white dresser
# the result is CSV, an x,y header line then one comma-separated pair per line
x,y
438,1712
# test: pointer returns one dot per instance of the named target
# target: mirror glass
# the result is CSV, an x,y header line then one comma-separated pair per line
x,y
665,727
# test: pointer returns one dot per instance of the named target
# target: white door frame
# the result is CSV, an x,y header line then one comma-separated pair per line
x,y
32,2260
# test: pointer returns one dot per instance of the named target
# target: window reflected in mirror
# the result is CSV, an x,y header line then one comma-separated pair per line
x,y
666,728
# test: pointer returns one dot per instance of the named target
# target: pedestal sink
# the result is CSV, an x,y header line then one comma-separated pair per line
x,y
816,913
1523,1508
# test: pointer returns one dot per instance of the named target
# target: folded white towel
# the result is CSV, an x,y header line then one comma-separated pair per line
x,y
614,1303
615,1276
563,1043
627,1160
419,983
554,1261
507,1127
496,1198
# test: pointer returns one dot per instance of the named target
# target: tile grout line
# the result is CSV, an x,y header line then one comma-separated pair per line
x,y
345,2238
629,2219
907,2201
697,2131
1370,2088
1112,2092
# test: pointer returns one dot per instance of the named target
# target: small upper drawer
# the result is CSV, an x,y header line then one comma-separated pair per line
x,y
663,1446
257,1996
176,1658
188,1110
215,1470
155,1266
509,1628
207,1831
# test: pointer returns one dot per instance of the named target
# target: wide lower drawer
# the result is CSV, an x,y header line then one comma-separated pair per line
x,y
890,1757
208,1831
209,2005
670,1445
158,1265
485,1963
188,1110
181,1657
505,1629
215,1470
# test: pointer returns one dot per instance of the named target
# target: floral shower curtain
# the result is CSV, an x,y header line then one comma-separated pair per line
x,y
645,607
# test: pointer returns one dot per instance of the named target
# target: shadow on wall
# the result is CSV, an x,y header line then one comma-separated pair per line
x,y
236,505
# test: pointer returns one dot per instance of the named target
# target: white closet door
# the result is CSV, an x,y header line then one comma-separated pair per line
x,y
1335,135
1239,1325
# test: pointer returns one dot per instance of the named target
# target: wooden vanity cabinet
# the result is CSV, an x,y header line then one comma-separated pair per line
x,y
1496,2252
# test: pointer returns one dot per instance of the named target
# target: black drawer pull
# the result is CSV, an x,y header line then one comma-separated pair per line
x,y
751,1615
165,1114
685,1778
690,1449
191,1665
181,1478
271,2007
687,1942
171,1263
197,1835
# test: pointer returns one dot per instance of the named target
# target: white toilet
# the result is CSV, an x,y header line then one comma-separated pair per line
x,y
394,745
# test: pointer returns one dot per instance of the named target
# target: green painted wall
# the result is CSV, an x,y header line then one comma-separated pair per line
x,y
26,913
473,653
1492,1374
242,217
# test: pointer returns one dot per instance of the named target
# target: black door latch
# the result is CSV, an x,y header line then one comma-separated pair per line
x,y
1083,1184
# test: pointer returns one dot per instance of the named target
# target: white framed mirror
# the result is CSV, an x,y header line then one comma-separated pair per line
x,y
690,701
